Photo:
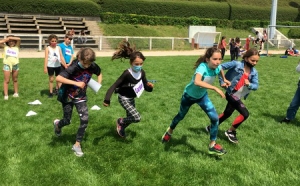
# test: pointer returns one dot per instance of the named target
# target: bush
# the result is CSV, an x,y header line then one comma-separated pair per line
x,y
294,33
52,7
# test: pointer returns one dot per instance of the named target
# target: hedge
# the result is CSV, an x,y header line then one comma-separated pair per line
x,y
115,18
51,7
216,10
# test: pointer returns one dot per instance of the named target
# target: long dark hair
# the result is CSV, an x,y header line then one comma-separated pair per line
x,y
209,52
125,51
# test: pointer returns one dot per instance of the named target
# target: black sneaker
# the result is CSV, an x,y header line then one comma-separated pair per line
x,y
231,136
285,121
50,95
55,91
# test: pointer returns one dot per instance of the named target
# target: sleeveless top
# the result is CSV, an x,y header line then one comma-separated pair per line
x,y
53,57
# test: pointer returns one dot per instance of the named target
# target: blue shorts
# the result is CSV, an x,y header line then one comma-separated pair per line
x,y
14,67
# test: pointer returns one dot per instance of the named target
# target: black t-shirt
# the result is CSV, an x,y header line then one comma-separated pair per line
x,y
69,93
125,84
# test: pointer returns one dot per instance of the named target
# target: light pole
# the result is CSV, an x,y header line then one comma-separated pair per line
x,y
273,20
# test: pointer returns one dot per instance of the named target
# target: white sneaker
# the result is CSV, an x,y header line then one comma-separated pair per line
x,y
5,97
77,150
16,95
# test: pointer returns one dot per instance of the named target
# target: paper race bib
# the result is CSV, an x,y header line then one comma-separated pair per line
x,y
241,92
68,52
11,53
139,88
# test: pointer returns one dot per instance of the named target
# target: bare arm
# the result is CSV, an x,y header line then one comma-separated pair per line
x,y
226,82
17,39
198,81
100,78
46,60
64,80
62,59
72,58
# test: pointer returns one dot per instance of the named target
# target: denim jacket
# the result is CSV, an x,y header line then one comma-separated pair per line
x,y
234,74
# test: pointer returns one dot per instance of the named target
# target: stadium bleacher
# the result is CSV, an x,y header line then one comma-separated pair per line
x,y
28,27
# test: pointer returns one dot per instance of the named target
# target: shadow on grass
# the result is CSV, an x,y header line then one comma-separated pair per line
x,y
64,139
277,119
112,132
198,130
171,145
44,92
10,92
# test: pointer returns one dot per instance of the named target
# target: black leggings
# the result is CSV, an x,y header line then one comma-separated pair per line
x,y
234,103
82,111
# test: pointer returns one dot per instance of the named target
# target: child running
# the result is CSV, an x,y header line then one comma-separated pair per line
x,y
73,92
129,85
207,68
11,63
52,62
244,78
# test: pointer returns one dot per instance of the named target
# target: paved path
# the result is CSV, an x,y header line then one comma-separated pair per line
x,y
29,53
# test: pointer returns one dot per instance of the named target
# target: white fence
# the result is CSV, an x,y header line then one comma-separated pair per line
x,y
39,41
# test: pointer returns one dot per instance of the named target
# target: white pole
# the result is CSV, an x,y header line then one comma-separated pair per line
x,y
273,19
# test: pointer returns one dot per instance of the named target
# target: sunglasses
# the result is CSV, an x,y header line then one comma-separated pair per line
x,y
70,38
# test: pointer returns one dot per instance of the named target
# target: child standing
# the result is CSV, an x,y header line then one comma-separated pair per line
x,y
247,44
207,68
73,92
67,50
244,78
52,62
232,49
11,63
222,46
131,83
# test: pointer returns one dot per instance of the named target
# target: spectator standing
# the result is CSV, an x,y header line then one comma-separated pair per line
x,y
67,50
232,49
82,39
11,63
222,46
237,48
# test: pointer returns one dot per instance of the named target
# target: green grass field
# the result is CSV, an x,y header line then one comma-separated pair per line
x,y
267,152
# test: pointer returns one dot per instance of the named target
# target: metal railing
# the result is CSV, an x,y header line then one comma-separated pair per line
x,y
38,41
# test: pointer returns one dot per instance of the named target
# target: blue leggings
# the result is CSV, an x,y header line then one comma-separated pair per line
x,y
206,105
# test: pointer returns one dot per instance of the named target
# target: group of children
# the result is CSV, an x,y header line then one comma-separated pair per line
x,y
72,92
238,81
72,77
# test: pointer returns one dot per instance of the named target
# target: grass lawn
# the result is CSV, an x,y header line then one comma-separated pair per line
x,y
267,152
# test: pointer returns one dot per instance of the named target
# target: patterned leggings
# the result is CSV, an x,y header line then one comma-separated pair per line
x,y
233,104
206,105
133,116
82,111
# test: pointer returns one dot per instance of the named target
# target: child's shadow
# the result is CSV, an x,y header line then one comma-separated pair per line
x,y
112,132
277,118
63,139
44,92
199,131
170,146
